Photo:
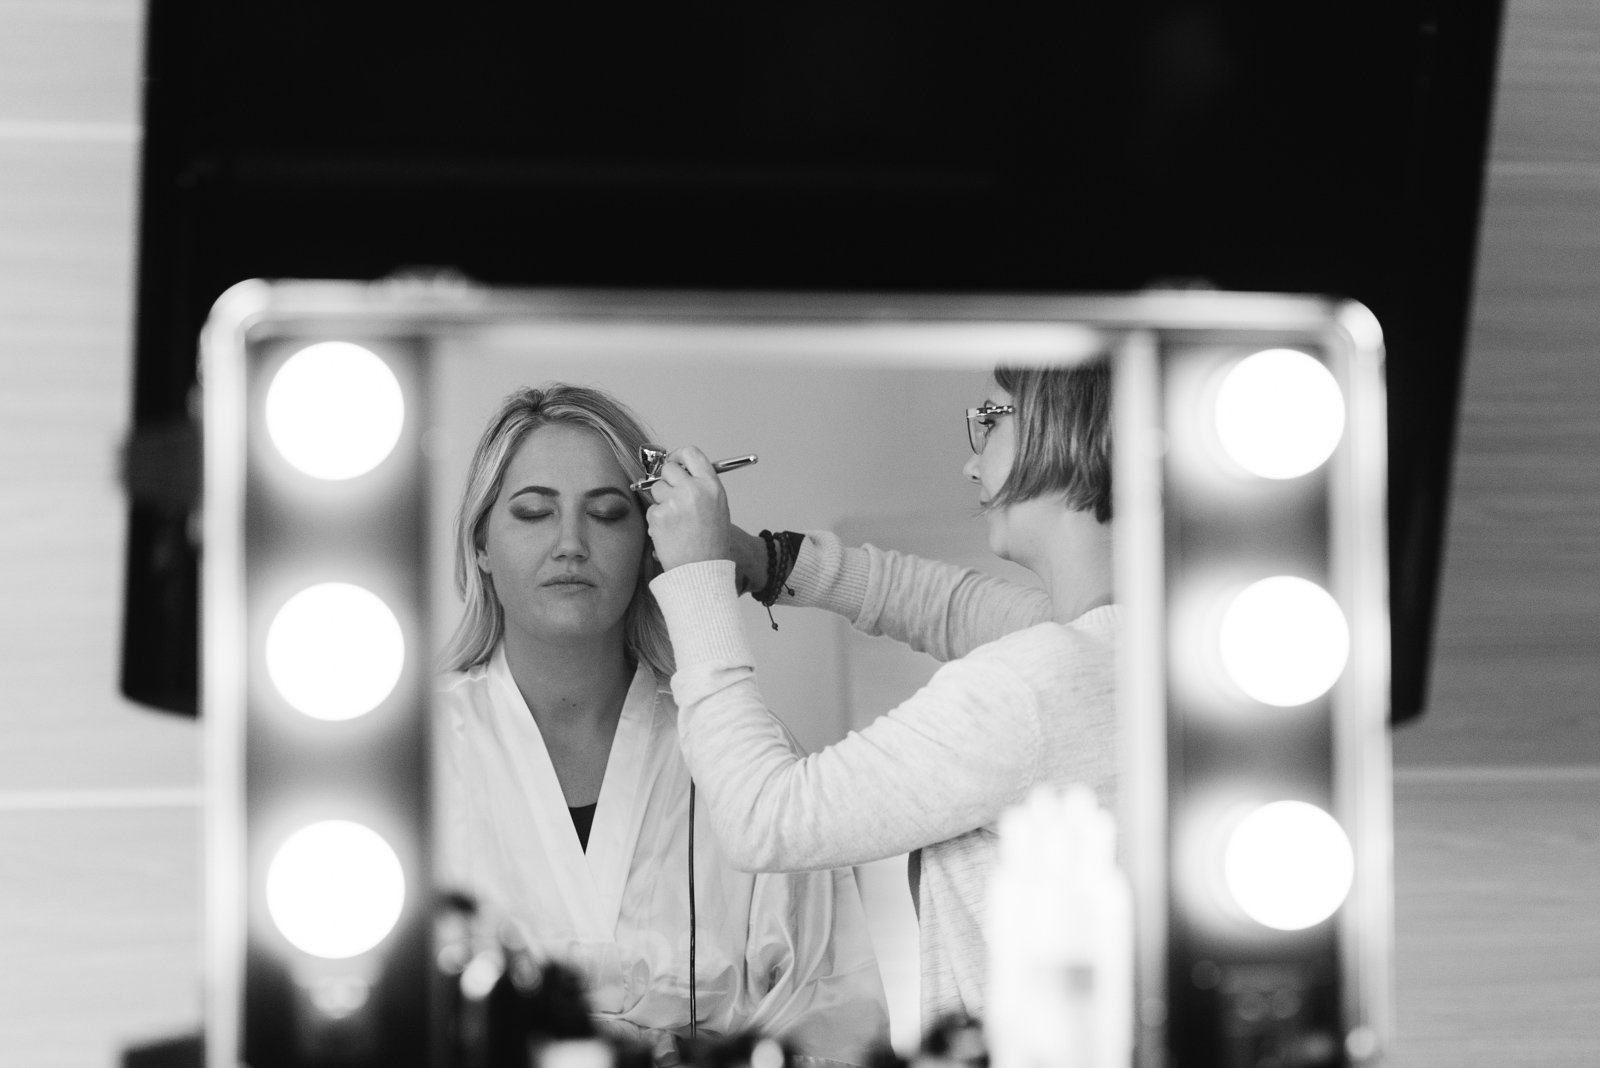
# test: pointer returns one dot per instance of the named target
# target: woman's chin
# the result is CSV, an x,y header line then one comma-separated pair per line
x,y
569,628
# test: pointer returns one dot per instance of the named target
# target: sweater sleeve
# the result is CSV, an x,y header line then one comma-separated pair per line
x,y
936,608
974,730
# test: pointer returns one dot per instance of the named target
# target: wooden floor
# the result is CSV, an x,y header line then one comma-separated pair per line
x,y
1498,871
1497,917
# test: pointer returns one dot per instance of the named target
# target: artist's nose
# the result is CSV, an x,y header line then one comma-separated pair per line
x,y
970,468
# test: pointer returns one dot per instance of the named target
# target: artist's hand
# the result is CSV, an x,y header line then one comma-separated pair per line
x,y
689,519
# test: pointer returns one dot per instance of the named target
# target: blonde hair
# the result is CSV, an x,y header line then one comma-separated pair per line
x,y
483,621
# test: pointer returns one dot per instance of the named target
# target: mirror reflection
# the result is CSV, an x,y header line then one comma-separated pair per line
x,y
595,637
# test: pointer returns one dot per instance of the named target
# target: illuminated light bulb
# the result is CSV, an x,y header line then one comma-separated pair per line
x,y
334,410
1280,414
335,651
1284,641
1288,865
335,889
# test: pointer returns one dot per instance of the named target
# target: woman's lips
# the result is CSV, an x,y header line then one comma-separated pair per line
x,y
567,581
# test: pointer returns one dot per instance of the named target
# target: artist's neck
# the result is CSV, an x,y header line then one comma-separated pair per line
x,y
1074,560
571,687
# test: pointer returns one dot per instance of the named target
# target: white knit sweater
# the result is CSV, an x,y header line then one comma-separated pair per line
x,y
1019,702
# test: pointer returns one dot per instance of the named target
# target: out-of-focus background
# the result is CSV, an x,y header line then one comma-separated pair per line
x,y
1497,855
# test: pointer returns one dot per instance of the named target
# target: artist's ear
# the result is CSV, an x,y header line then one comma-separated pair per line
x,y
483,561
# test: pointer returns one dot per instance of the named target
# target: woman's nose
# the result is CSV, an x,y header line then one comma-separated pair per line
x,y
572,545
970,468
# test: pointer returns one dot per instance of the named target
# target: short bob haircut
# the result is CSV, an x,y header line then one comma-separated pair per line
x,y
483,621
1063,424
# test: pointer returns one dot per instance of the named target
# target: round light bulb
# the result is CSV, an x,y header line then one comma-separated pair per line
x,y
1288,865
335,651
335,889
1284,641
334,410
1280,414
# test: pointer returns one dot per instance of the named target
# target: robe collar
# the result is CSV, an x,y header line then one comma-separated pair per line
x,y
591,883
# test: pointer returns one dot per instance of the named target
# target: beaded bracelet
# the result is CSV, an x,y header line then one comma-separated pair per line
x,y
783,550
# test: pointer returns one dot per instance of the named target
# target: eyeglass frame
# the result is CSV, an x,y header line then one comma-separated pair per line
x,y
982,410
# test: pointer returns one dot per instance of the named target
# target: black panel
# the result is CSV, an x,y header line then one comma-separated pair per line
x,y
1329,148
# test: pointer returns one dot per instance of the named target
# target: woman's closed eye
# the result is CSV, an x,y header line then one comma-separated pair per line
x,y
612,515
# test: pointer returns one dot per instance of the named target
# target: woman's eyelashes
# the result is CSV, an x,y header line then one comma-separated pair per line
x,y
605,515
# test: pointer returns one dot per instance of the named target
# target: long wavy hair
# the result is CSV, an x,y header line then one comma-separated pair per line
x,y
483,621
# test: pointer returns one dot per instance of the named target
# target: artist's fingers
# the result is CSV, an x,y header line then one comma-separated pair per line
x,y
674,474
695,461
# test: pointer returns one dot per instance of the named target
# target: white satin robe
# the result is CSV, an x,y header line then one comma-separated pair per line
x,y
787,955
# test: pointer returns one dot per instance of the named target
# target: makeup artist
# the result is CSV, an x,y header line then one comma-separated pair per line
x,y
1025,695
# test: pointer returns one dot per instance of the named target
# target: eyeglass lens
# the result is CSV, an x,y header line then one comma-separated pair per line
x,y
980,421
978,426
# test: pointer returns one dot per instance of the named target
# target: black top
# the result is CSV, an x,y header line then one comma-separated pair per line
x,y
583,819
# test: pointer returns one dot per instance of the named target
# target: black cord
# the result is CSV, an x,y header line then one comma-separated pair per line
x,y
694,1009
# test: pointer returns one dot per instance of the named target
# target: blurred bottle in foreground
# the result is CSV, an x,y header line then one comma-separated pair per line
x,y
1060,933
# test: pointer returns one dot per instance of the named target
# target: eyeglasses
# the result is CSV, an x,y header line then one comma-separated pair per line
x,y
981,420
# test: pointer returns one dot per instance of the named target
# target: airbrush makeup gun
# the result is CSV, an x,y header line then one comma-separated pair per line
x,y
653,456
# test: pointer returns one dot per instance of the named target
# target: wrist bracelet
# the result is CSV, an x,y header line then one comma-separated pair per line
x,y
783,550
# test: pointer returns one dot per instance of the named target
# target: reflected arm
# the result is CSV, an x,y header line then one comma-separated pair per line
x,y
936,608
946,761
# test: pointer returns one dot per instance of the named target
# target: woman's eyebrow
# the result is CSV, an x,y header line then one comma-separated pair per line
x,y
546,491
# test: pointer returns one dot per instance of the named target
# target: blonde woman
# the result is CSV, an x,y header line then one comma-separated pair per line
x,y
565,802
